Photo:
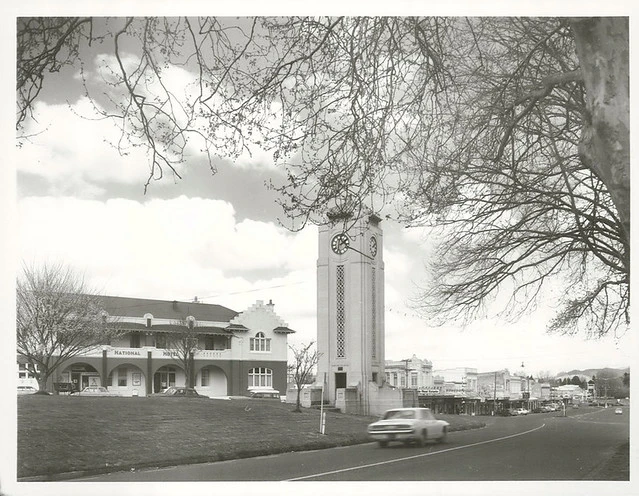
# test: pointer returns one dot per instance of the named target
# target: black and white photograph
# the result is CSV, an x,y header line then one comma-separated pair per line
x,y
309,249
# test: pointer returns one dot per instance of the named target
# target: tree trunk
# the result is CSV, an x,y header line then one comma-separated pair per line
x,y
42,382
603,49
298,403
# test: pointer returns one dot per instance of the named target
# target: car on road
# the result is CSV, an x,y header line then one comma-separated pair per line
x,y
179,392
618,411
520,411
94,391
27,390
408,425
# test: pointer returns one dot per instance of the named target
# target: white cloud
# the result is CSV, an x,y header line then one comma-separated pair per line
x,y
76,154
173,249
153,235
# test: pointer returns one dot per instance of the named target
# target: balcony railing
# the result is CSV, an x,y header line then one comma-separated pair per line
x,y
212,354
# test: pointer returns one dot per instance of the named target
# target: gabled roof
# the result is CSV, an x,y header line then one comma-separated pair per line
x,y
122,306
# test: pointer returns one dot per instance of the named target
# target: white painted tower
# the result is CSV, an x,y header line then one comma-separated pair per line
x,y
350,307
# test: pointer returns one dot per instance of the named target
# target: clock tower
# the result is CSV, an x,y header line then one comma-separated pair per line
x,y
350,307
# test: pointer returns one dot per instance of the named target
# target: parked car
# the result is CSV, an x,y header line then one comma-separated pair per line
x,y
273,394
618,411
94,391
27,390
179,392
520,411
407,425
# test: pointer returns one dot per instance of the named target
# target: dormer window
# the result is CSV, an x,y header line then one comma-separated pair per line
x,y
260,342
149,320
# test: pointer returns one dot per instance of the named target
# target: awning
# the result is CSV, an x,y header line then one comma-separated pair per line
x,y
284,330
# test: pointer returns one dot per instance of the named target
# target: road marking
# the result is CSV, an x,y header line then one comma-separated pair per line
x,y
395,460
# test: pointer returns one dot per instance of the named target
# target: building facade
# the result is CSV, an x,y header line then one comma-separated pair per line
x,y
459,381
569,393
412,373
235,352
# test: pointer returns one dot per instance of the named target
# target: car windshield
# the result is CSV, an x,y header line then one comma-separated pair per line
x,y
399,414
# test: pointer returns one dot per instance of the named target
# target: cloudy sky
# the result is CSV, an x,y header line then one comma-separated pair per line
x,y
217,237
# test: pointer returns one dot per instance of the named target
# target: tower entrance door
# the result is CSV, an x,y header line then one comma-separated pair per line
x,y
340,380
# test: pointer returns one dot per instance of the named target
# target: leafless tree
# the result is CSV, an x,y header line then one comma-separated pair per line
x,y
182,343
305,360
57,319
545,376
508,136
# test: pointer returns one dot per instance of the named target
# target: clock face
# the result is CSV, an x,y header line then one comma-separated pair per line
x,y
340,243
372,244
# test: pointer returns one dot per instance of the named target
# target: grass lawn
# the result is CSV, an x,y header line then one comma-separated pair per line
x,y
58,434
617,468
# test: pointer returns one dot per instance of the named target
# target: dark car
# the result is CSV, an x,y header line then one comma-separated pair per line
x,y
179,392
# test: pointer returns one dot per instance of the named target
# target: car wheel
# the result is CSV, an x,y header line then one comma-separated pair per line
x,y
383,444
442,438
421,441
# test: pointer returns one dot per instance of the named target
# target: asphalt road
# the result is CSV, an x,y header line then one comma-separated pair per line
x,y
537,447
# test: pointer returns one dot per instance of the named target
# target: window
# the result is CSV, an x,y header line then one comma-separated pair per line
x,y
160,340
135,340
260,343
205,377
122,373
340,314
260,377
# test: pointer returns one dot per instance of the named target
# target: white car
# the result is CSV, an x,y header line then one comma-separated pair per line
x,y
27,390
407,425
520,411
618,411
94,391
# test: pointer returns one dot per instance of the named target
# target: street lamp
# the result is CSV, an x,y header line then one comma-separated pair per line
x,y
526,394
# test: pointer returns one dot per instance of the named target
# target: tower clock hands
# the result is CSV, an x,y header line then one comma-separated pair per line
x,y
361,253
341,242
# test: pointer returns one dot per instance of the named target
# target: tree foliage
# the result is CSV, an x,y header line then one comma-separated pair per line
x,y
507,137
57,319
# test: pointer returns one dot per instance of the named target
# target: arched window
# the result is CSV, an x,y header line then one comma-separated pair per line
x,y
260,377
260,343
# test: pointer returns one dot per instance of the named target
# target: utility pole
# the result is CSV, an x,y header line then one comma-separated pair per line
x,y
495,394
406,360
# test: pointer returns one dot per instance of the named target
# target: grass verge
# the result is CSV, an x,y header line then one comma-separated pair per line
x,y
62,434
617,468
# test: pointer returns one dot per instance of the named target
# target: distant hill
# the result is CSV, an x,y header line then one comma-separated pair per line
x,y
588,373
